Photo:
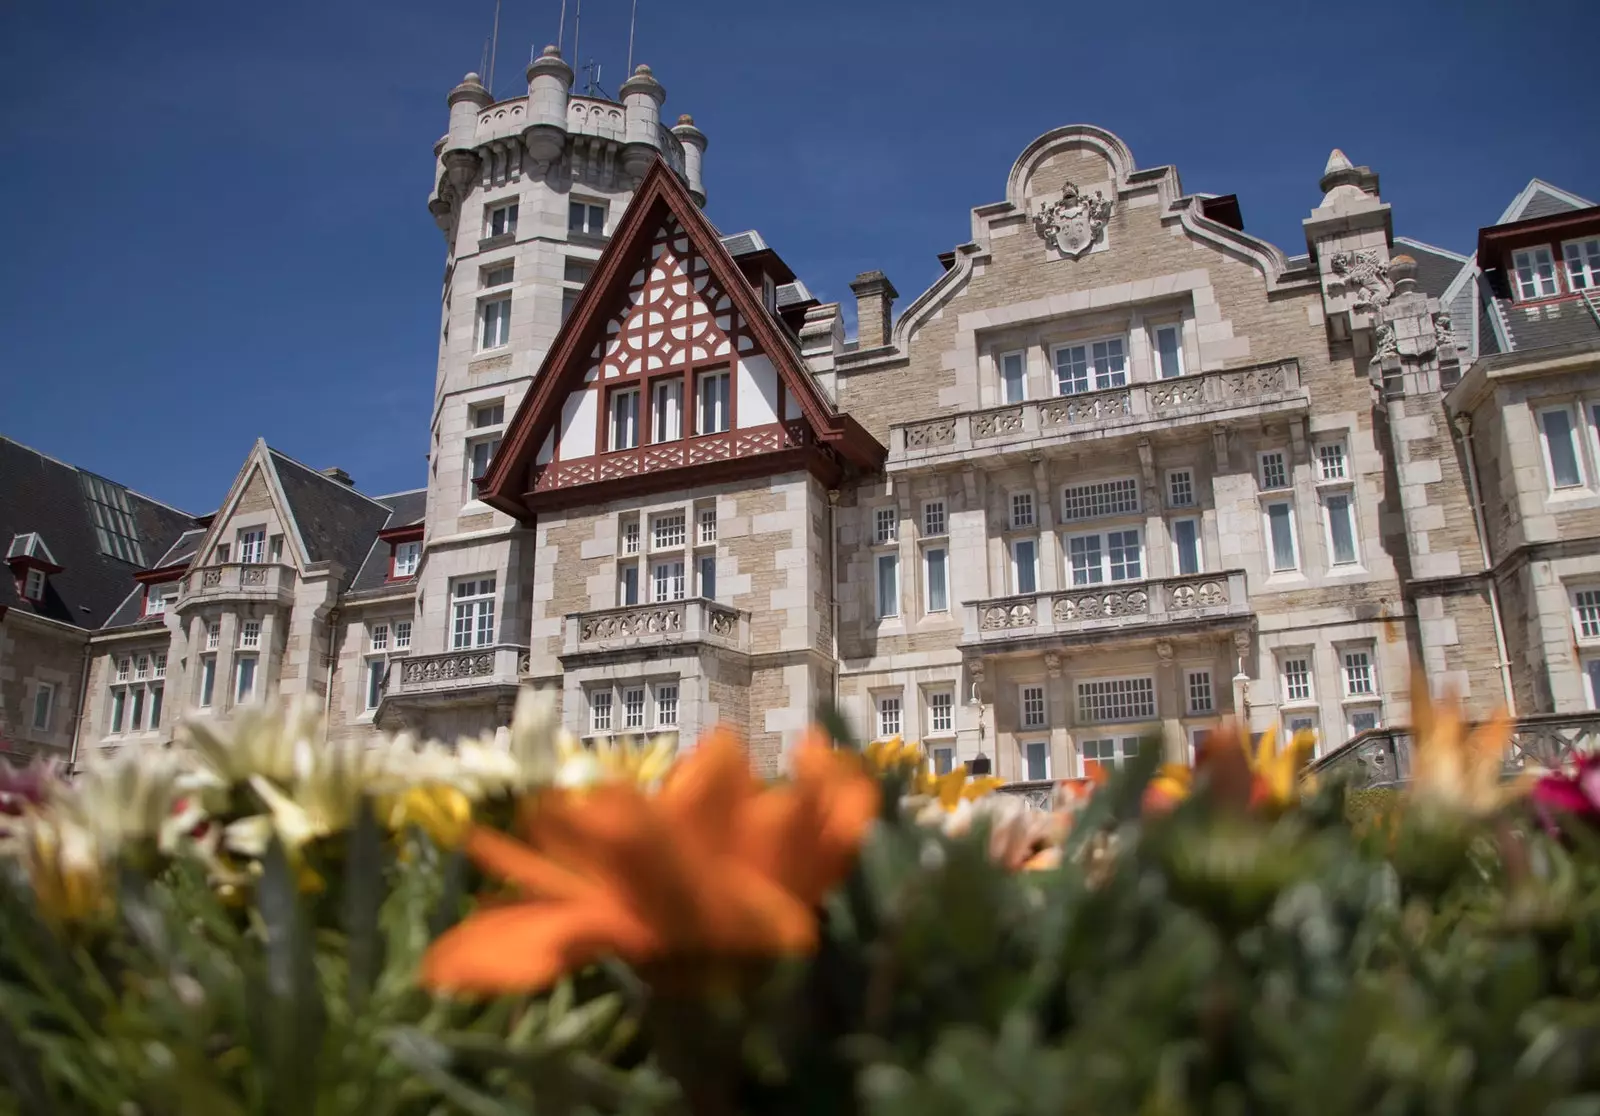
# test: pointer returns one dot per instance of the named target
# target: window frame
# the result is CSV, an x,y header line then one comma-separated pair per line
x,y
1294,536
701,380
1033,706
1307,657
1156,356
584,226
1103,542
1084,719
1324,502
931,703
411,549
1368,653
1566,409
929,508
1187,474
373,683
629,395
470,607
1094,378
1324,459
33,582
1519,293
206,692
1177,546
1120,754
1024,756
1589,666
1016,567
1021,355
1020,500
501,324
47,691
675,584
666,423
881,703
1573,594
1191,709
252,542
928,580
658,700
1284,462
1091,490
1589,264
886,609
241,696
511,208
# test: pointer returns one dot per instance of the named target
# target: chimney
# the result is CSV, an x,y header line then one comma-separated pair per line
x,y
334,473
875,297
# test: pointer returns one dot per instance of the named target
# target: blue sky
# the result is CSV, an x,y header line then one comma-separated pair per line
x,y
215,213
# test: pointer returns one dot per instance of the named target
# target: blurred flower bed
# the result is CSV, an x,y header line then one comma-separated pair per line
x,y
261,922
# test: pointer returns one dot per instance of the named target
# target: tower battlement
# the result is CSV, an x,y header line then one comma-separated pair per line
x,y
608,144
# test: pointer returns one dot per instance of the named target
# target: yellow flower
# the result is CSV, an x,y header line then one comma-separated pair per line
x,y
893,755
319,801
65,866
260,740
443,812
1452,769
1277,782
641,762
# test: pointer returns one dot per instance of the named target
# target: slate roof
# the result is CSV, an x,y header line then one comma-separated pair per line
x,y
742,244
406,508
1436,267
337,522
792,294
41,495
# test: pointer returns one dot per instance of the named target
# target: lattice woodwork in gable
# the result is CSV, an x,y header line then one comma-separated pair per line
x,y
676,316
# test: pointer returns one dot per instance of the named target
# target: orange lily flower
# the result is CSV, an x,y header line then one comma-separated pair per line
x,y
1452,768
714,865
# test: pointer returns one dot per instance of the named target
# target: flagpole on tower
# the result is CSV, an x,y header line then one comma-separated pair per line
x,y
495,46
632,20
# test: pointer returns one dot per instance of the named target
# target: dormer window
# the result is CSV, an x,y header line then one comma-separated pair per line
x,y
769,293
1583,263
155,602
1535,272
33,585
407,556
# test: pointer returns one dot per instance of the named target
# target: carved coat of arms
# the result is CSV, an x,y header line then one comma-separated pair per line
x,y
1075,222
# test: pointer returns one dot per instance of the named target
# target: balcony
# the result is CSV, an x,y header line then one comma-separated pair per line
x,y
655,625
1381,757
1141,606
500,664
235,581
1257,390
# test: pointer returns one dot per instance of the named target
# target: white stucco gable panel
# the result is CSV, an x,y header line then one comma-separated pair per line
x,y
791,405
758,392
547,449
578,425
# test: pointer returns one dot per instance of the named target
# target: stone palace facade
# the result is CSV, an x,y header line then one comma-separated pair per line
x,y
1122,470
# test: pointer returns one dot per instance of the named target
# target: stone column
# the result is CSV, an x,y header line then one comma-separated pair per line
x,y
1169,703
1056,708
1050,566
1157,551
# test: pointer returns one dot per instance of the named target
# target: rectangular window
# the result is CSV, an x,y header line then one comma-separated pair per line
x,y
1274,470
213,635
933,519
1591,677
666,411
569,302
244,672
155,602
1114,556
666,580
495,316
769,293
1535,273
124,666
630,537
1330,462
208,680
407,556
1110,751
1100,364
1116,699
379,637
44,700
713,402
1296,723
625,419
1021,510
1583,264
708,526
1089,501
498,275
1180,488
707,569
136,714
936,575
628,584
119,701
375,672
1199,689
1036,760
888,716
885,526
1072,370
1169,351
252,546
586,219
472,613
888,586
161,664
633,708
1014,377
1560,448
500,220
1297,679
481,455
33,585
141,667
1341,515
1186,545
1025,565
1033,709
1358,674
600,711
1586,613
666,705
402,635
223,550
943,760
249,637
941,711
1280,533
483,415
1363,720
667,531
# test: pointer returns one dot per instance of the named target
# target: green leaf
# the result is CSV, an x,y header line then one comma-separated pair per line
x,y
363,881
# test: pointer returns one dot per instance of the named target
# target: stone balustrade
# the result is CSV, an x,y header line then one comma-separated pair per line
x,y
234,581
499,664
1121,606
1381,757
650,625
1134,408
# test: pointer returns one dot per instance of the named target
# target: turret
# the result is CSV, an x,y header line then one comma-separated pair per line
x,y
694,153
549,85
642,96
1348,236
466,101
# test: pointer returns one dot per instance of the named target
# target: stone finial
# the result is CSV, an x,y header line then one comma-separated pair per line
x,y
1337,161
685,118
551,51
1403,273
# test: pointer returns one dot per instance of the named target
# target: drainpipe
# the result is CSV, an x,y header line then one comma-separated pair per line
x,y
1463,425
333,658
833,589
83,701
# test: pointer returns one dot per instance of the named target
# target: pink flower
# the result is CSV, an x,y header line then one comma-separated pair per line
x,y
1572,792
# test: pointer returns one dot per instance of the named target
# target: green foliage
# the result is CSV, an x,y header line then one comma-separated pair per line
x,y
1204,961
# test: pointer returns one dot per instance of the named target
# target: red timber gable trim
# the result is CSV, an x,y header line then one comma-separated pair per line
x,y
666,304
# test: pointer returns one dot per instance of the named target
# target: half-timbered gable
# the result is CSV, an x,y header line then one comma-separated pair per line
x,y
674,360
